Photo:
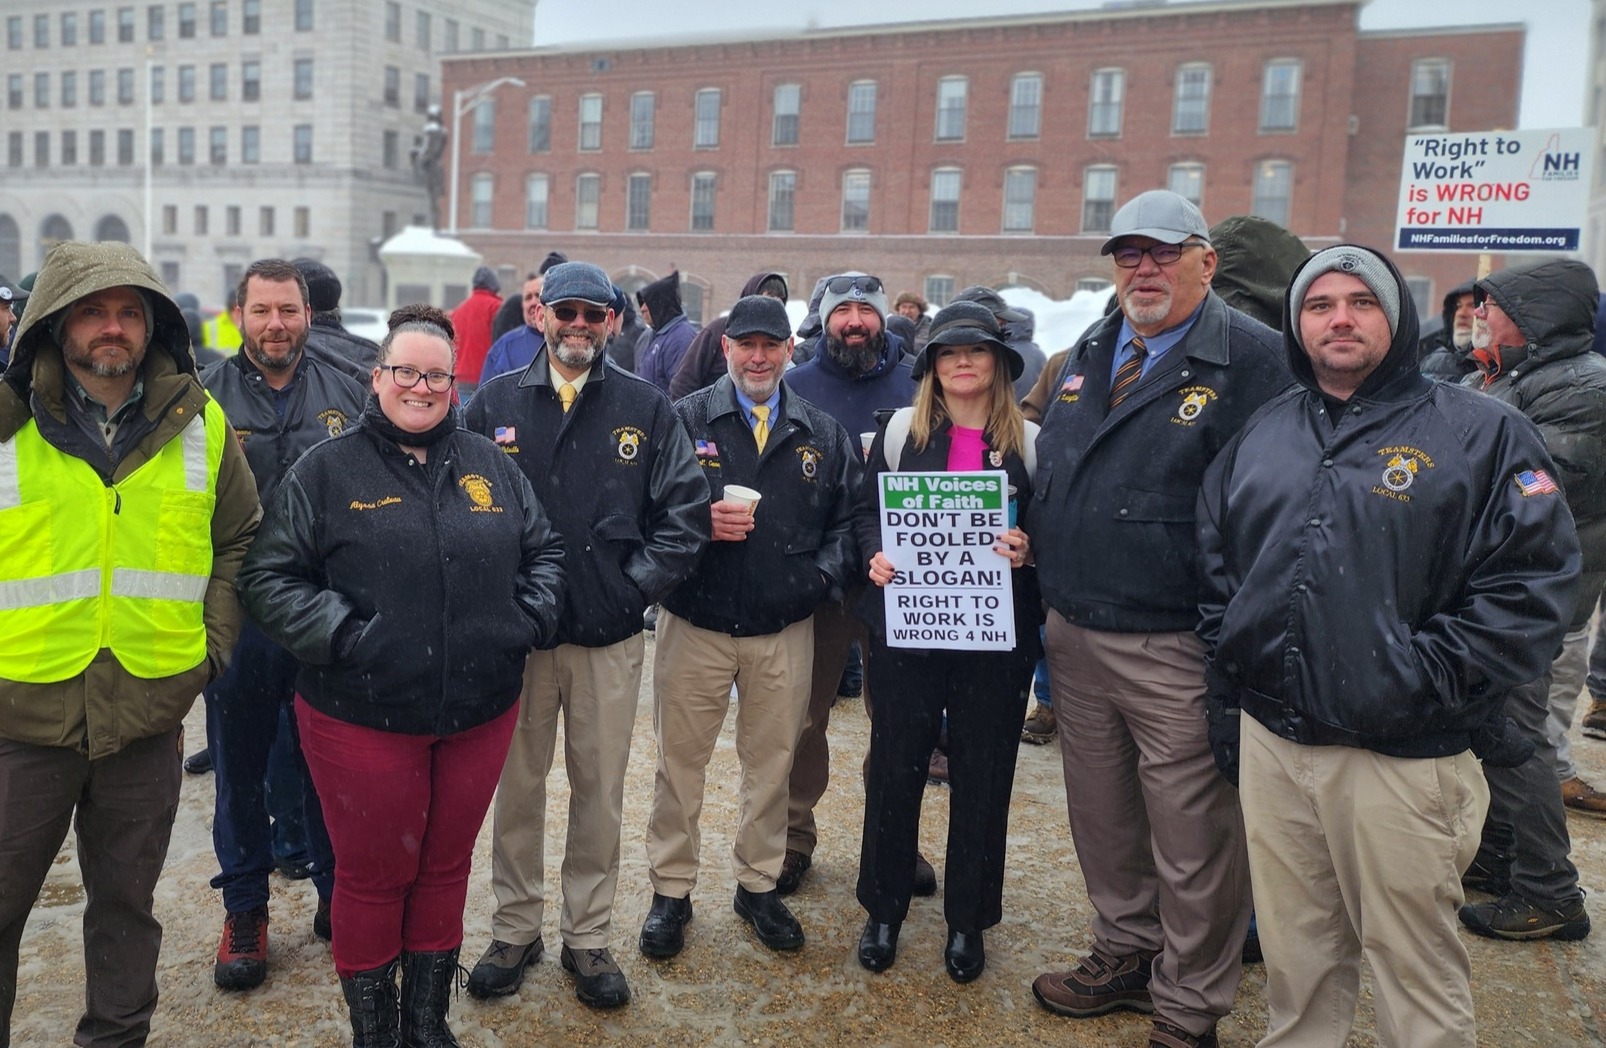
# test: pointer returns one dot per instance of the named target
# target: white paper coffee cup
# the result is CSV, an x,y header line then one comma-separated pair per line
x,y
866,440
746,498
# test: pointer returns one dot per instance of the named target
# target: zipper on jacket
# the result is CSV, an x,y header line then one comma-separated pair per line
x,y
107,557
440,480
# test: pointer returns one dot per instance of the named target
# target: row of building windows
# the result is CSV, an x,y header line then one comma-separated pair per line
x,y
185,85
1279,108
233,215
424,31
1272,193
185,141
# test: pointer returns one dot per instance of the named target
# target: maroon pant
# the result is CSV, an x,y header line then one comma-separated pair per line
x,y
403,812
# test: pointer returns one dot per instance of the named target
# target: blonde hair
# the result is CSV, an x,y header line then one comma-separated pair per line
x,y
1006,426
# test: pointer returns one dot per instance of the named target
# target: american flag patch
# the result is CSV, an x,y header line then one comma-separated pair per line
x,y
1072,384
1533,482
707,450
506,434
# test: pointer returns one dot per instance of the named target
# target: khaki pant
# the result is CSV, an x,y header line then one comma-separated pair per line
x,y
596,690
692,675
1353,852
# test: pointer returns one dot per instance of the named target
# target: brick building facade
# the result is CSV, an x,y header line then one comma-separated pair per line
x,y
941,154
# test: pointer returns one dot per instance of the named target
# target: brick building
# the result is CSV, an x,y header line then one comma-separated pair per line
x,y
941,154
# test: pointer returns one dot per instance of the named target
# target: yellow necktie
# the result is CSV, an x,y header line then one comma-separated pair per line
x,y
761,428
567,393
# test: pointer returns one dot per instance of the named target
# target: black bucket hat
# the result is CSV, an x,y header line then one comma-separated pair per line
x,y
967,324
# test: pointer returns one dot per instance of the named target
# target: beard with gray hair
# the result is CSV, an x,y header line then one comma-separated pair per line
x,y
576,347
859,360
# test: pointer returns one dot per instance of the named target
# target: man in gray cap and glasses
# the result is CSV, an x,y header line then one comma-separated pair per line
x,y
1146,400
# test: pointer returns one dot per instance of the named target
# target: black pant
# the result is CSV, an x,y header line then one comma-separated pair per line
x,y
984,695
123,806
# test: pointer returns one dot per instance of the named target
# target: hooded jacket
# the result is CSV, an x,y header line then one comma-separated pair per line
x,y
1380,572
1255,258
1441,357
704,362
1020,334
672,332
105,707
853,399
1557,380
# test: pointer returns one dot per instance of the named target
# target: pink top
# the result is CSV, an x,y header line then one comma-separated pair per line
x,y
965,449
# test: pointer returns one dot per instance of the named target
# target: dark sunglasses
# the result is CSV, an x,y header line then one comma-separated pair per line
x,y
842,285
566,314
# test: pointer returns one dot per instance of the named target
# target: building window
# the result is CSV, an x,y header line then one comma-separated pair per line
x,y
202,219
390,150
856,202
1274,186
783,193
642,105
158,86
69,89
14,32
945,186
1430,94
1279,95
250,80
303,222
97,148
1098,199
155,23
302,78
125,147
951,94
939,291
14,90
250,144
303,16
706,132
231,220
1190,112
537,196
69,29
1020,199
1421,289
421,92
41,90
169,219
186,21
14,148
451,35
421,31
265,221
125,87
303,143
41,31
1106,97
158,148
590,122
218,18
638,203
540,124
1187,181
219,82
97,87
251,17
485,125
1026,105
186,83
788,109
97,27
125,25
186,146
393,87
218,146
587,195
69,148
41,149
703,188
476,39
861,112
393,21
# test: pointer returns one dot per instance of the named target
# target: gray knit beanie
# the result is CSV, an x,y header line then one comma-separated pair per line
x,y
1358,262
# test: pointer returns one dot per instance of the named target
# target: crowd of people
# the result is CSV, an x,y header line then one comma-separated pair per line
x,y
1310,593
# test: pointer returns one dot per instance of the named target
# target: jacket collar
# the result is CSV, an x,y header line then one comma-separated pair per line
x,y
539,372
722,401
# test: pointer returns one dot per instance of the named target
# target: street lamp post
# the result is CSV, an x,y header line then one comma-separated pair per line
x,y
460,105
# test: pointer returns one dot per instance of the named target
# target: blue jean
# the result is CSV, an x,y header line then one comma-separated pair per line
x,y
284,796
1040,683
242,720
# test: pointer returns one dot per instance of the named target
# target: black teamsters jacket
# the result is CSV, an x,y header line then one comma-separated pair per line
x,y
1383,580
616,475
803,527
452,565
1119,491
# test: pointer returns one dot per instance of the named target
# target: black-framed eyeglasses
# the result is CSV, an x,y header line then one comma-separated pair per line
x,y
407,377
1129,257
842,285
566,314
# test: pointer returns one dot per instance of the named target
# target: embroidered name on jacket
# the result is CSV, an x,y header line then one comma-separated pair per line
x,y
1071,390
478,490
388,500
1401,465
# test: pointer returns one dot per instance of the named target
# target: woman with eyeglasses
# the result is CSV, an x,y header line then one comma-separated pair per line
x,y
964,418
408,566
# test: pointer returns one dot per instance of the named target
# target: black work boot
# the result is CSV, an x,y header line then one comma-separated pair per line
x,y
371,999
426,993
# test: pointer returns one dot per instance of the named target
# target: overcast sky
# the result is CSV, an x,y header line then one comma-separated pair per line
x,y
1552,89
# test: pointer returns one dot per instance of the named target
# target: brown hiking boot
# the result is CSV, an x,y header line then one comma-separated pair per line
x,y
1040,726
1099,984
1595,720
1579,796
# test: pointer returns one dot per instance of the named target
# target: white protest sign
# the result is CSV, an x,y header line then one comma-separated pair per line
x,y
1494,191
949,589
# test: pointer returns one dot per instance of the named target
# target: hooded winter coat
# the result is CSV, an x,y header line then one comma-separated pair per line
x,y
1380,572
1255,257
105,707
672,332
1558,381
704,362
1441,358
472,320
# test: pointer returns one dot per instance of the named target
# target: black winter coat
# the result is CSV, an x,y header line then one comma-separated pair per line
x,y
450,568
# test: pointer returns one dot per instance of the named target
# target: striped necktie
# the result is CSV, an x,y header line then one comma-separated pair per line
x,y
761,425
1127,375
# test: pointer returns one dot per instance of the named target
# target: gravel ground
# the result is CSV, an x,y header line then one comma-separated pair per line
x,y
726,989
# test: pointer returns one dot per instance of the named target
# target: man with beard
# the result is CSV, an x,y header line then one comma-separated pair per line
x,y
280,401
746,616
514,350
1445,354
1147,398
125,512
615,471
861,370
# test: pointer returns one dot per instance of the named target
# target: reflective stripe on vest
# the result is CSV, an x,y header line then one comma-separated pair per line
x,y
84,566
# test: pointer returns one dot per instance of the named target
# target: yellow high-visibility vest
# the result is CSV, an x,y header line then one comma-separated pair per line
x,y
220,334
84,566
